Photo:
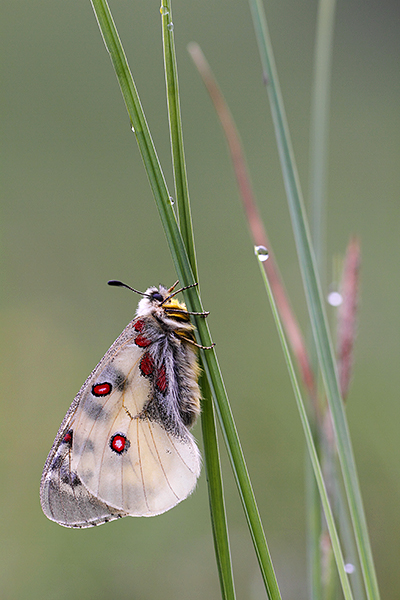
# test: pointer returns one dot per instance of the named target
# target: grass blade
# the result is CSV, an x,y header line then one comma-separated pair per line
x,y
319,551
210,441
216,493
320,128
185,274
315,304
310,445
175,123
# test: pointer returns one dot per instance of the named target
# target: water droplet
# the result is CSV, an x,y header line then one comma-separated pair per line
x,y
171,200
349,568
132,128
164,10
335,299
170,26
261,252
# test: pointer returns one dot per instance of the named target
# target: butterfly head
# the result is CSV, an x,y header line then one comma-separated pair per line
x,y
159,302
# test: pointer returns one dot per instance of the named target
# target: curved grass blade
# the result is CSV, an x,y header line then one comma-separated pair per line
x,y
185,274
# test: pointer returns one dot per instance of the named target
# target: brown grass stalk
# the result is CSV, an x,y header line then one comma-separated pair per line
x,y
347,314
254,220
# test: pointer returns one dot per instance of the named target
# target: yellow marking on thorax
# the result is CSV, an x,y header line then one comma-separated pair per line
x,y
176,310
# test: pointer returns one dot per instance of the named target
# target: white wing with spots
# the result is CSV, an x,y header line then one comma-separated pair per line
x,y
111,458
153,469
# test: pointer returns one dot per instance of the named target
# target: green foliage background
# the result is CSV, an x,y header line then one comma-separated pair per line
x,y
76,210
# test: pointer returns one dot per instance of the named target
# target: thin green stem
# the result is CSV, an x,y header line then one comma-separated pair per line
x,y
211,451
175,123
313,515
216,493
310,444
317,549
319,130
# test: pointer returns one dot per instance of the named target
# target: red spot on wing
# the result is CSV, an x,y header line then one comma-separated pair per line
x,y
146,364
139,325
119,443
101,389
162,381
67,439
142,341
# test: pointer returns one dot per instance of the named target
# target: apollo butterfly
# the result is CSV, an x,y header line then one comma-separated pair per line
x,y
124,447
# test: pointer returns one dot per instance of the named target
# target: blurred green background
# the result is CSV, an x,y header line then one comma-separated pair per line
x,y
76,211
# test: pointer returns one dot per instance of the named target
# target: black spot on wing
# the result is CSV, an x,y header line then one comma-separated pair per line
x,y
74,480
94,409
57,462
120,381
69,477
89,445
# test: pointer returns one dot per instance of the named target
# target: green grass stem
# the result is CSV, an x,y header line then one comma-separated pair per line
x,y
310,444
315,303
319,129
210,441
176,135
185,274
319,573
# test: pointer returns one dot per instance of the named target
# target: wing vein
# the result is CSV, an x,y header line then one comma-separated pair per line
x,y
161,463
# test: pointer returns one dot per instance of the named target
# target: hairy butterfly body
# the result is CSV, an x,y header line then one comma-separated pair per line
x,y
124,447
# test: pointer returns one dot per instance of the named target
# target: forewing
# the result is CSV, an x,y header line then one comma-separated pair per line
x,y
63,497
109,459
124,458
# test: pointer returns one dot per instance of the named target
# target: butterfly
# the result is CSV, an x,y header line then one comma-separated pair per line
x,y
124,447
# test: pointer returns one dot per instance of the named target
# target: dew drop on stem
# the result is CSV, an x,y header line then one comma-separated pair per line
x,y
261,252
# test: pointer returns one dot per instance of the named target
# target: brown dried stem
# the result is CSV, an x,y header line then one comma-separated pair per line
x,y
347,314
253,217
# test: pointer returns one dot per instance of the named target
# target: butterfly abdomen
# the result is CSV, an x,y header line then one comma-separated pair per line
x,y
171,365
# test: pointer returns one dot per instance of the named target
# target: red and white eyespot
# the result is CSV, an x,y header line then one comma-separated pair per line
x,y
119,443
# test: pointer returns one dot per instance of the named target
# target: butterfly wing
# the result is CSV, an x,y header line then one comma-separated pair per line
x,y
110,459
64,498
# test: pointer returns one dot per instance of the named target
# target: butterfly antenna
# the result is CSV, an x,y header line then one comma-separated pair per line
x,y
178,291
171,289
187,312
116,283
